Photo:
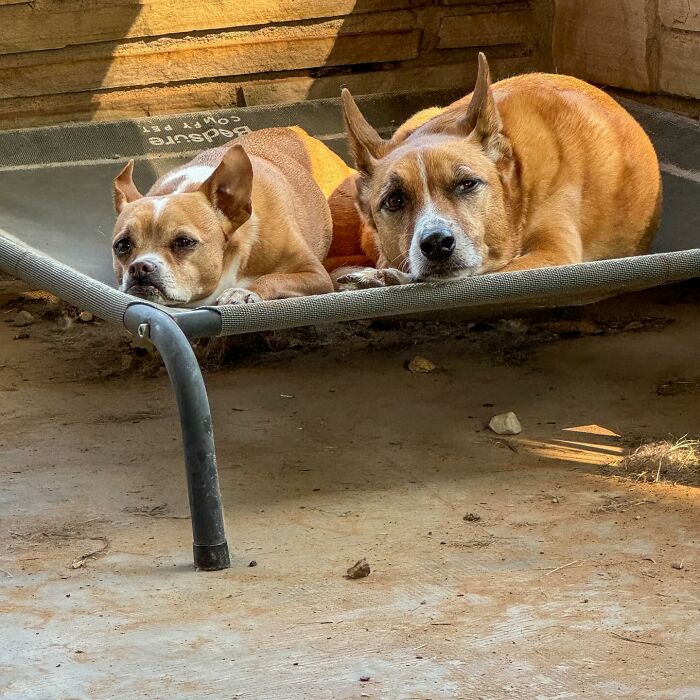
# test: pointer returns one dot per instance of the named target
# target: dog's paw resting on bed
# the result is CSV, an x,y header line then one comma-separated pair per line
x,y
243,222
237,295
354,278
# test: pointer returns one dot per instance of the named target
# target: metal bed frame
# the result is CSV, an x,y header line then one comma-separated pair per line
x,y
31,253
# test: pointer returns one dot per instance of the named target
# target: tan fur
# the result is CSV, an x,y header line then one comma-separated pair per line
x,y
565,175
353,241
275,233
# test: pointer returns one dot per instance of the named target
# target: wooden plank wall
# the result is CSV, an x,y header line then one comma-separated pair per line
x,y
63,60
651,46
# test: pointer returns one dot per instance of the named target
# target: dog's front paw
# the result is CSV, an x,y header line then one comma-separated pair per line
x,y
369,277
237,295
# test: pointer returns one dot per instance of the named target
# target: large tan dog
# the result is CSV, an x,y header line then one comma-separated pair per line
x,y
537,170
240,223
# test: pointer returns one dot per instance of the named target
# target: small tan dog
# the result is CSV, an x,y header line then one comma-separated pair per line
x,y
240,223
537,170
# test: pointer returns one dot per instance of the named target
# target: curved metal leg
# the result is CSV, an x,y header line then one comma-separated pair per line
x,y
210,547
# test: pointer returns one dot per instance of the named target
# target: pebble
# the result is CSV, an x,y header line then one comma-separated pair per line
x,y
23,318
359,569
505,424
677,565
86,317
421,365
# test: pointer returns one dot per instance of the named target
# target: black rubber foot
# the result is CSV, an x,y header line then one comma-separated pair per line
x,y
211,557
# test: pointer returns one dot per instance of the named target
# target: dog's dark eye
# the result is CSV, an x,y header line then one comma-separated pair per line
x,y
184,242
123,246
468,185
394,201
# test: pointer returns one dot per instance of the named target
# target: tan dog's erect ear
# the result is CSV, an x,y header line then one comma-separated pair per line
x,y
482,120
124,188
366,144
230,186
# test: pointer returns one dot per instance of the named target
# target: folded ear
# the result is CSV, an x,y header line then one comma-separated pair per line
x,y
482,120
365,143
229,188
124,188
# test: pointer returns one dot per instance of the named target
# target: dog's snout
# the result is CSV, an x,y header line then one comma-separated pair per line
x,y
141,268
437,245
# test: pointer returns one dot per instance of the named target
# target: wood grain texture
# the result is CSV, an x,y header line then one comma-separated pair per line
x,y
480,5
602,41
86,59
679,72
64,60
485,29
53,24
680,14
389,37
231,92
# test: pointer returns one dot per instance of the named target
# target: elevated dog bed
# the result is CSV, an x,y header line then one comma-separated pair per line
x,y
56,215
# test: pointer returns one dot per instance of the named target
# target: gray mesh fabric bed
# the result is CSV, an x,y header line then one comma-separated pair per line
x,y
55,227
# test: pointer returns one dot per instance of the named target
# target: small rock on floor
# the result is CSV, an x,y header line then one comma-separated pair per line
x,y
505,424
359,569
23,318
421,365
86,317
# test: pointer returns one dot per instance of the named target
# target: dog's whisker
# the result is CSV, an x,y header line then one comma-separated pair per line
x,y
401,264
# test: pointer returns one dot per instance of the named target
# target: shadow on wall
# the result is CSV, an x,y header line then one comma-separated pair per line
x,y
380,46
375,43
432,45
55,55
78,59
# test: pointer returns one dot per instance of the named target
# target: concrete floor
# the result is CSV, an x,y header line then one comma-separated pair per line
x,y
563,588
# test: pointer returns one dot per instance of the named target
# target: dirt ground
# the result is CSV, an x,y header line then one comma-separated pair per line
x,y
501,567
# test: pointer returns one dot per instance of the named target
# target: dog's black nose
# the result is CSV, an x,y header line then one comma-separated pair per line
x,y
141,268
437,245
